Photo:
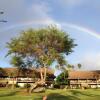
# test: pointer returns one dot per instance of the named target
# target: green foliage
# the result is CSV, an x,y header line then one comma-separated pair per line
x,y
17,86
27,85
62,79
17,61
40,47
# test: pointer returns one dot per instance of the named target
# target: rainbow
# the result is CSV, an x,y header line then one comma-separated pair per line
x,y
82,29
60,25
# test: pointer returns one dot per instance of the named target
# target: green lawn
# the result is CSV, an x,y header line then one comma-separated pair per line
x,y
77,94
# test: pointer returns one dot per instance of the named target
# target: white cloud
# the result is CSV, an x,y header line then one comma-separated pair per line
x,y
71,3
20,14
91,61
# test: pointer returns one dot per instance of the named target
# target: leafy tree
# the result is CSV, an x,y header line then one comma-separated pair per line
x,y
41,47
62,79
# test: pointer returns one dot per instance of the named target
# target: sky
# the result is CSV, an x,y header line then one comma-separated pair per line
x,y
79,18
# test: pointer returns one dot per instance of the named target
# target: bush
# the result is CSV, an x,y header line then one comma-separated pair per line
x,y
57,86
17,86
62,86
27,86
62,79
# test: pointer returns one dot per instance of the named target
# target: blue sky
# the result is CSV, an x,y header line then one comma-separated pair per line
x,y
79,18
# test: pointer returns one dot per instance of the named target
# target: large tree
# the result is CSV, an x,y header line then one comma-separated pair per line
x,y
41,47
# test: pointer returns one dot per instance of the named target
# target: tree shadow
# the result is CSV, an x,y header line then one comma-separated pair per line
x,y
77,93
12,93
56,96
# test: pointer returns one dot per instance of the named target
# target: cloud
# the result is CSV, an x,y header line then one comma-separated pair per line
x,y
91,61
12,11
71,3
20,14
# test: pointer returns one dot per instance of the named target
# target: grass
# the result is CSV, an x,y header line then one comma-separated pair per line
x,y
76,94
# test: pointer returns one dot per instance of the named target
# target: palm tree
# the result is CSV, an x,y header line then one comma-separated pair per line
x,y
79,66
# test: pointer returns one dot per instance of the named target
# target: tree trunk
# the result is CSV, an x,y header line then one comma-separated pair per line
x,y
39,82
36,84
45,73
41,74
32,87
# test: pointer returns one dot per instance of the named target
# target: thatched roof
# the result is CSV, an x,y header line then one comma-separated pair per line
x,y
84,74
10,70
31,71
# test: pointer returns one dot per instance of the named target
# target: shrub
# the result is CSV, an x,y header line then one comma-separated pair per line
x,y
17,86
62,79
57,86
27,86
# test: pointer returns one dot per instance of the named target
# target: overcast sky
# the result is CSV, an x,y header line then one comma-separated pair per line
x,y
80,18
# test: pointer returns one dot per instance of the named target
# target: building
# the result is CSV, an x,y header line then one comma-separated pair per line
x,y
21,77
80,79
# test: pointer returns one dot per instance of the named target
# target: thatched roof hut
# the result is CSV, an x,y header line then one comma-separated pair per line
x,y
15,72
84,74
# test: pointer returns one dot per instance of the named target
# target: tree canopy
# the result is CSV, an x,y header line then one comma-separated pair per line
x,y
40,47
